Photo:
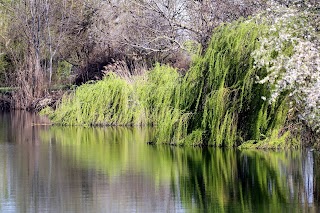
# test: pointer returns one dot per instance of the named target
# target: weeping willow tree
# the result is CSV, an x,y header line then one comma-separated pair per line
x,y
226,102
221,90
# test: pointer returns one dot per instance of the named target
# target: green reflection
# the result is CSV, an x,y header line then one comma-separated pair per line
x,y
215,180
113,150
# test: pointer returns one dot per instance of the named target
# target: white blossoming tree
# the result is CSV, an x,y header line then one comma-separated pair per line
x,y
289,51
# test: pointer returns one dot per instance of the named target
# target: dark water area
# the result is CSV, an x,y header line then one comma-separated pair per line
x,y
77,169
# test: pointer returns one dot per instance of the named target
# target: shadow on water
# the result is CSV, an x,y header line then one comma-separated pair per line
x,y
45,169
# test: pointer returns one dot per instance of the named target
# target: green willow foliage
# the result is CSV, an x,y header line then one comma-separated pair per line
x,y
217,103
103,103
221,91
117,102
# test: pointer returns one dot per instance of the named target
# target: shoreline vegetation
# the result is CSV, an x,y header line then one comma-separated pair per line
x,y
249,80
221,101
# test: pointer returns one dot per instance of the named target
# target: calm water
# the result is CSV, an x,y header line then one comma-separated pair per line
x,y
59,169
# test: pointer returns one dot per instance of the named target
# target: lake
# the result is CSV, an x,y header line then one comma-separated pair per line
x,y
82,169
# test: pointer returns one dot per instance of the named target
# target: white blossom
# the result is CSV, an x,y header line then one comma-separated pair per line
x,y
289,51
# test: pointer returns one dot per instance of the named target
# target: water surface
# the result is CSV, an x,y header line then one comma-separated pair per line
x,y
75,169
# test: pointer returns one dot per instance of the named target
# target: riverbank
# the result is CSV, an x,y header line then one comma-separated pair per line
x,y
240,92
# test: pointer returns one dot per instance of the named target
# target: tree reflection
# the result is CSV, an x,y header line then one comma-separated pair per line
x,y
204,179
113,169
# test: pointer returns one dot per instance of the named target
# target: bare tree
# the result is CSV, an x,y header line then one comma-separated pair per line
x,y
36,38
162,30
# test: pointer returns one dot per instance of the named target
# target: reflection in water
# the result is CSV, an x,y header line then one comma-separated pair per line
x,y
74,169
308,176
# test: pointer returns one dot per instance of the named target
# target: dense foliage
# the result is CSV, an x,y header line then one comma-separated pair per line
x,y
250,88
